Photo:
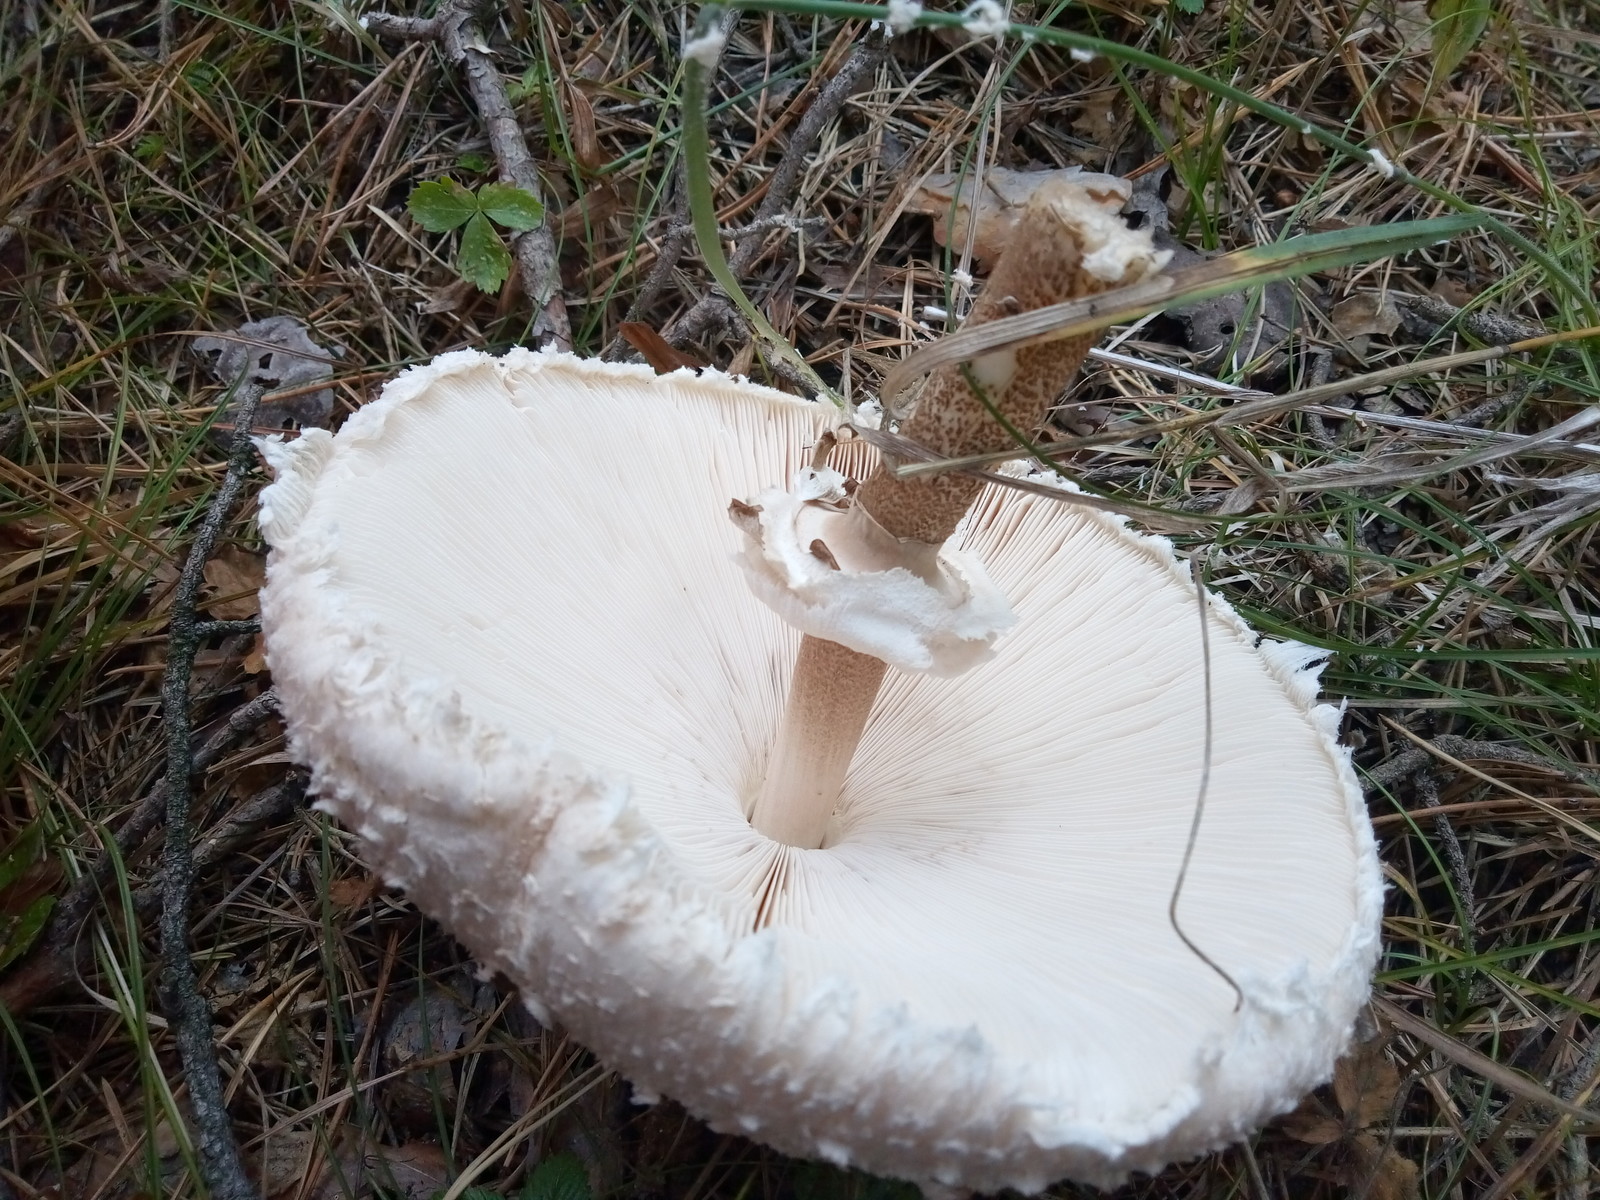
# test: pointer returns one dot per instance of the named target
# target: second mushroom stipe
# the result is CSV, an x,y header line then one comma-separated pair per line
x,y
850,822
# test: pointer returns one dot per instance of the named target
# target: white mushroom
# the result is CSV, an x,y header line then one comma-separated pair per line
x,y
512,634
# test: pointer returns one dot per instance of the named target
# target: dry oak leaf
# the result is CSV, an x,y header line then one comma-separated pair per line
x,y
1000,200
234,577
1365,1084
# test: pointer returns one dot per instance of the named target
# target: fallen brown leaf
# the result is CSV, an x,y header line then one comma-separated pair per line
x,y
235,577
353,892
1365,1085
1000,200
1365,313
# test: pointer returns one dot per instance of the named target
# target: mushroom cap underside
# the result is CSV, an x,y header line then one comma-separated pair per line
x,y
511,638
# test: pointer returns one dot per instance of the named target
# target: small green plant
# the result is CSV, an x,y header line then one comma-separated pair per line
x,y
1457,26
441,205
25,898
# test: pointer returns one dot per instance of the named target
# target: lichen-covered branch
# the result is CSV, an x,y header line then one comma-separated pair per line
x,y
188,1012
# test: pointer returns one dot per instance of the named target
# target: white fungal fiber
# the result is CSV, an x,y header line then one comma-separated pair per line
x,y
984,18
903,15
706,48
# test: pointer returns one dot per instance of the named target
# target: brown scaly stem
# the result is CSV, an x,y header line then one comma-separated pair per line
x,y
834,688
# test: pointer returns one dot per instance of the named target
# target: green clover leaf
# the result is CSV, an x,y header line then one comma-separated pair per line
x,y
483,259
560,1177
441,205
510,206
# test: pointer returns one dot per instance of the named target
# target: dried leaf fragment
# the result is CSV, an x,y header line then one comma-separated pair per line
x,y
1000,200
1364,314
278,355
662,356
234,577
1365,1085
353,892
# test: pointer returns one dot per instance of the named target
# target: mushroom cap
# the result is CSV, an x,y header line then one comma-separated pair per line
x,y
512,640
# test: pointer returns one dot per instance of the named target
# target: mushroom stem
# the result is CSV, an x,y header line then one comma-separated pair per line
x,y
1070,242
830,698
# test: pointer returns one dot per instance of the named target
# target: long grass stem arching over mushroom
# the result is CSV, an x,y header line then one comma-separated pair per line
x,y
874,867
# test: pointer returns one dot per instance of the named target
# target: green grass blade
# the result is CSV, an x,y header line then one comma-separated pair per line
x,y
703,211
1251,267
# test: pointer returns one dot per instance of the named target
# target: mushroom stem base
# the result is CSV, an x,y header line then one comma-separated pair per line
x,y
830,698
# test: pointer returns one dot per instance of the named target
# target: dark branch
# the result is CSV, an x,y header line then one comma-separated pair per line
x,y
1455,858
679,231
714,310
187,1010
1408,762
863,60
1427,315
266,807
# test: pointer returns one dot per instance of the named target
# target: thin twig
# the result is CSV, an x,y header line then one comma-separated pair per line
x,y
1385,774
863,60
455,30
210,629
188,1012
1507,397
1197,573
1321,372
1579,1082
713,309
1481,1064
1455,858
1427,315
266,807
679,231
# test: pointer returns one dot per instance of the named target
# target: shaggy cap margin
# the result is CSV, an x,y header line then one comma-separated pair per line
x,y
557,868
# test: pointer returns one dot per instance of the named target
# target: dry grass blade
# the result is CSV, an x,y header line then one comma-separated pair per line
x,y
1483,1065
257,166
1230,273
1257,408
897,450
